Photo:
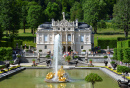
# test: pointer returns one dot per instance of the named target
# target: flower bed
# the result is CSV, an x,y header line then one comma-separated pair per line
x,y
11,68
115,71
127,77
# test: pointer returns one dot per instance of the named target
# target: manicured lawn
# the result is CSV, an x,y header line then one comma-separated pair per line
x,y
28,37
108,33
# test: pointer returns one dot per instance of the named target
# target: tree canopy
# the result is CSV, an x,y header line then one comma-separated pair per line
x,y
15,14
10,15
35,16
93,12
52,11
122,15
76,12
93,77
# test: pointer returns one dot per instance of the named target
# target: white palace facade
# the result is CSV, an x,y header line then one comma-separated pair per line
x,y
75,36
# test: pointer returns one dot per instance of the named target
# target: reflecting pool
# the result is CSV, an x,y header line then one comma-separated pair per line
x,y
34,78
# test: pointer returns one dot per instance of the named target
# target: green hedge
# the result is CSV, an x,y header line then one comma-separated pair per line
x,y
115,53
120,54
3,44
3,66
128,43
20,42
126,54
123,54
11,44
104,43
123,44
5,53
119,44
122,38
123,69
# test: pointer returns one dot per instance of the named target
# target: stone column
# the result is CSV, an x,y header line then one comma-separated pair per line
x,y
66,48
66,37
71,47
71,38
43,39
90,37
48,38
79,37
61,36
53,38
84,37
37,39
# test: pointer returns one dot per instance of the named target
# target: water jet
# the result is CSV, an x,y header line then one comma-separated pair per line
x,y
59,75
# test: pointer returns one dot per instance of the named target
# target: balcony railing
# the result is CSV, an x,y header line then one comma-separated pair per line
x,y
67,42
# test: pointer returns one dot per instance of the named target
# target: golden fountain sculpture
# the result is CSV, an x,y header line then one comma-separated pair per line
x,y
62,76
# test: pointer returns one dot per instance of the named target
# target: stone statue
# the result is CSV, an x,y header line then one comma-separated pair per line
x,y
86,57
38,57
63,15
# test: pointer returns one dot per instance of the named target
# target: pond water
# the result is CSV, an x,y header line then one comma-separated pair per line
x,y
34,78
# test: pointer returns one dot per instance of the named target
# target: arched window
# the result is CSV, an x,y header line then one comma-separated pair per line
x,y
58,28
64,29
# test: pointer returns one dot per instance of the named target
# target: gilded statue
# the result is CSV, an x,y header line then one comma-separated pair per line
x,y
60,75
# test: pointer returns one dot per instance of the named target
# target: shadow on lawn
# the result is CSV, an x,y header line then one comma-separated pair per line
x,y
110,33
26,38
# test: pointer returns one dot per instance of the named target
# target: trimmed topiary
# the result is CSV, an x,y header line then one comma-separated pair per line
x,y
105,56
99,51
40,50
47,56
93,77
84,50
68,58
123,69
76,56
112,62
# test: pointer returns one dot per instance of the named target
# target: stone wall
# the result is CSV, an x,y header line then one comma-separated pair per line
x,y
29,59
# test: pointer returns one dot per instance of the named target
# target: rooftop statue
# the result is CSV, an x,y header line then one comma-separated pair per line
x,y
63,15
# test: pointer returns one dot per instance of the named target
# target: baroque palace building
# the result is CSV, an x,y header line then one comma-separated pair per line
x,y
75,36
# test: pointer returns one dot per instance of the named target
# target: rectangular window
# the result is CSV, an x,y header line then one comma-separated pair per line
x,y
69,38
82,47
45,47
81,38
45,38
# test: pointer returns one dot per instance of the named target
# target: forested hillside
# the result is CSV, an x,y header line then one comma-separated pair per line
x,y
24,14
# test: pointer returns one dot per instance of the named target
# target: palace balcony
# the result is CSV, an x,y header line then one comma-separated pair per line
x,y
67,43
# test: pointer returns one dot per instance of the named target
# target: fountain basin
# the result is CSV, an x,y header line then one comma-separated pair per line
x,y
55,81
34,78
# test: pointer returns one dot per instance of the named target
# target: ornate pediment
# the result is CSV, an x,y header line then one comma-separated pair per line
x,y
63,23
